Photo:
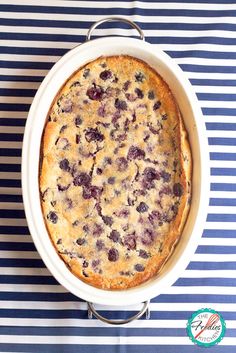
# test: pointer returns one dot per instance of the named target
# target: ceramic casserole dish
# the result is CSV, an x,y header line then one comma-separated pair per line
x,y
193,121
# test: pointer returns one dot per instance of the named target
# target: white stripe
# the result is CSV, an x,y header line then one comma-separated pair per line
x,y
201,290
214,89
24,72
24,271
218,242
135,18
17,254
223,194
10,160
15,238
114,31
218,225
11,144
210,75
214,257
10,175
32,288
121,4
68,305
12,221
11,206
16,100
219,118
217,104
19,85
164,46
29,58
221,164
13,114
205,61
209,274
220,148
103,340
37,322
10,191
12,129
223,179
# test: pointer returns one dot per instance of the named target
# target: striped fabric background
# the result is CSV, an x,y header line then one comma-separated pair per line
x,y
36,313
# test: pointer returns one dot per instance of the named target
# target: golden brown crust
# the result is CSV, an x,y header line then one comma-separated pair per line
x,y
116,173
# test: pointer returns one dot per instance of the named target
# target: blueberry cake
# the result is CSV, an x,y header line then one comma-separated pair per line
x,y
115,173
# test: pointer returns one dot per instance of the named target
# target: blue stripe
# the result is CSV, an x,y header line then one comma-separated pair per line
x,y
223,171
29,263
218,156
219,233
11,198
213,82
216,249
17,246
12,122
216,96
75,348
206,281
223,187
10,152
14,107
221,126
10,167
208,68
8,92
14,229
226,265
110,11
10,183
222,202
11,137
219,111
35,280
222,141
21,78
26,65
19,214
221,217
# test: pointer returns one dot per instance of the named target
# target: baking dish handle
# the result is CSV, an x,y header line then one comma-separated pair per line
x,y
92,311
114,19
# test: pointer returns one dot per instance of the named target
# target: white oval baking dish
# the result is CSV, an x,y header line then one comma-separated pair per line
x,y
193,121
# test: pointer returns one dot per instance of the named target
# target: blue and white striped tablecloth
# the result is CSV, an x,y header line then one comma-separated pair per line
x,y
36,313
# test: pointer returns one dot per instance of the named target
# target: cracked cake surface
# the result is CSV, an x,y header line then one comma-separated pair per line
x,y
115,174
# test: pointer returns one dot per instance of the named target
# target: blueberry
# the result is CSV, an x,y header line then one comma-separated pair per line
x,y
80,241
63,187
147,237
113,255
154,216
178,189
52,217
86,228
126,85
86,73
63,128
131,97
114,236
165,190
135,153
164,116
100,244
85,264
139,77
67,106
97,230
91,191
95,263
95,93
156,105
82,179
111,180
143,254
59,241
151,95
77,139
122,164
151,174
107,220
139,93
142,207
101,111
165,176
139,267
105,75
120,104
130,241
93,135
78,121
99,171
64,165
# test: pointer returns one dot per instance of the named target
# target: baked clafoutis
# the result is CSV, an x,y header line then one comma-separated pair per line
x,y
115,173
